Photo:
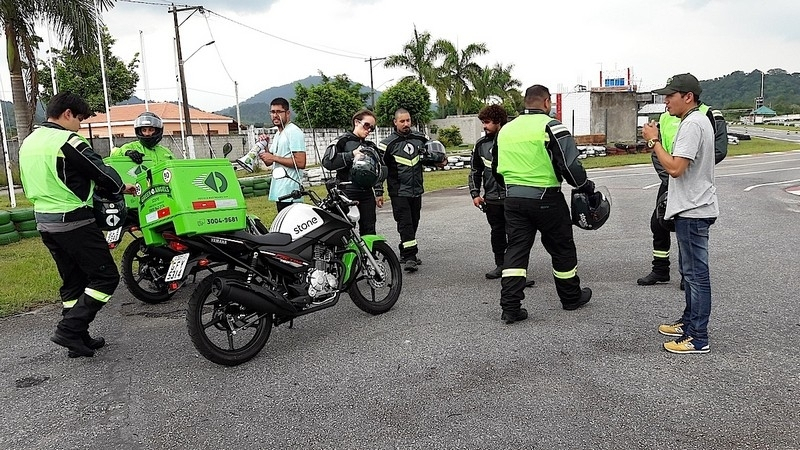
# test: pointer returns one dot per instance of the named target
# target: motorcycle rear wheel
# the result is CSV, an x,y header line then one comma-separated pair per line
x,y
217,326
141,272
372,296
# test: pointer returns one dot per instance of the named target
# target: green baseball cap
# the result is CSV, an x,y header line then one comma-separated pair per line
x,y
684,82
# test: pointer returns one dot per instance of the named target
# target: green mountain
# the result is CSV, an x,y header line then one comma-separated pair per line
x,y
738,90
255,110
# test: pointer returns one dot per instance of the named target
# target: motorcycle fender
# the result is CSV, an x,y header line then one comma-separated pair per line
x,y
349,258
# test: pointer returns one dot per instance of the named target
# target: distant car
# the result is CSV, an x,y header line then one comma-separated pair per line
x,y
733,140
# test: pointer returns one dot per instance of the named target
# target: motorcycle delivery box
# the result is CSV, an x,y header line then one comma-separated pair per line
x,y
128,171
191,196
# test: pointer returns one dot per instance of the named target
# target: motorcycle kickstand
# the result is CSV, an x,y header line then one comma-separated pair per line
x,y
291,323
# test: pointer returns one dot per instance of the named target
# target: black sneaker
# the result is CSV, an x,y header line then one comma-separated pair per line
x,y
514,316
418,261
586,295
652,278
410,265
495,274
530,283
73,343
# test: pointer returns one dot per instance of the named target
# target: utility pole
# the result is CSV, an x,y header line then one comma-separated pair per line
x,y
187,119
371,82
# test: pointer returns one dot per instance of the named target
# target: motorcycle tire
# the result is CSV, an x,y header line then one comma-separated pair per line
x,y
209,320
141,272
381,296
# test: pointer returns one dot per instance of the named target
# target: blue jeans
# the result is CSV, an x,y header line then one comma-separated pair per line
x,y
692,237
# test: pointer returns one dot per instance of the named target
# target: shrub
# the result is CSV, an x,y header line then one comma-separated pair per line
x,y
450,136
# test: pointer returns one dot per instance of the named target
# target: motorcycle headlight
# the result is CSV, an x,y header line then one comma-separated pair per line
x,y
353,214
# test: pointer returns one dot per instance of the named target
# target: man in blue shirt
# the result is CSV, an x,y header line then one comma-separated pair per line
x,y
287,150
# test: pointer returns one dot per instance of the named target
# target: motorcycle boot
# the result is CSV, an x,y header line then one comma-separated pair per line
x,y
510,317
653,278
74,326
92,343
495,274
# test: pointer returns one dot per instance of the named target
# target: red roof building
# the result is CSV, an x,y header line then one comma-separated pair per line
x,y
122,117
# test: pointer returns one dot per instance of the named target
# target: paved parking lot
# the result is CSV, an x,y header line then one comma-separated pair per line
x,y
440,370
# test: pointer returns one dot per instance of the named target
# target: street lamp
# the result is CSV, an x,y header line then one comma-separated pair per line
x,y
200,48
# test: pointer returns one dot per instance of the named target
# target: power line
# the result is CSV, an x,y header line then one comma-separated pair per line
x,y
152,3
287,40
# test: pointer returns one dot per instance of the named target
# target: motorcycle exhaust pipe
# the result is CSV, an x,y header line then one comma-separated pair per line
x,y
253,296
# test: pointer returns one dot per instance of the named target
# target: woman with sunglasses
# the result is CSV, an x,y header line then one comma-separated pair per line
x,y
365,177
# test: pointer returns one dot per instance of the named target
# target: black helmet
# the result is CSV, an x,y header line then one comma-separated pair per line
x,y
590,212
148,119
661,210
365,171
109,210
434,152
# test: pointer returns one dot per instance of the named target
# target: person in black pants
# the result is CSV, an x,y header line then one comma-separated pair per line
x,y
340,156
404,154
59,171
534,155
493,117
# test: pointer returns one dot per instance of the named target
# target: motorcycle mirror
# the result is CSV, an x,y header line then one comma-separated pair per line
x,y
227,149
278,173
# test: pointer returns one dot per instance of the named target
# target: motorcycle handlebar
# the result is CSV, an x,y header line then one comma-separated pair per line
x,y
294,194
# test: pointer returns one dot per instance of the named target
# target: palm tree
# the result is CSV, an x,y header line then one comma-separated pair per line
x,y
72,20
508,87
418,57
458,68
482,86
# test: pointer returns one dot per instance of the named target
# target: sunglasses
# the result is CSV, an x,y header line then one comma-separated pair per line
x,y
367,126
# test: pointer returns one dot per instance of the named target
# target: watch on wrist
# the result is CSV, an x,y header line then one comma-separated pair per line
x,y
652,143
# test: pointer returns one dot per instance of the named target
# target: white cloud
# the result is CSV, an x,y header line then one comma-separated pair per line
x,y
558,44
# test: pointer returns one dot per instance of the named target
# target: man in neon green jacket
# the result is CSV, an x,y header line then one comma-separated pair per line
x,y
149,131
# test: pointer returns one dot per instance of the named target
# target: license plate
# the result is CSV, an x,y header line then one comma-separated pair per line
x,y
176,267
113,236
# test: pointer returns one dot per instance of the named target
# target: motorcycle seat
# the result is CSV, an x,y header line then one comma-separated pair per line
x,y
273,239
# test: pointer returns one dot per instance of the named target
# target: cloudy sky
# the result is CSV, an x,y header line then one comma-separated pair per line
x,y
560,44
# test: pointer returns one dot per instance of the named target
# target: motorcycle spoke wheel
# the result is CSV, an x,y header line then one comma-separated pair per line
x,y
374,295
223,331
144,274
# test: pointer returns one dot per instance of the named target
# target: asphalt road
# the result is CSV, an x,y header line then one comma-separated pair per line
x,y
441,370
769,133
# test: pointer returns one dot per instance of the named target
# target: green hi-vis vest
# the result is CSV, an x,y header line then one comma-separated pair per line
x,y
522,157
38,158
668,125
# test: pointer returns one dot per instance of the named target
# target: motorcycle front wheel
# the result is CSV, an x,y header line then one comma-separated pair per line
x,y
144,273
223,331
373,295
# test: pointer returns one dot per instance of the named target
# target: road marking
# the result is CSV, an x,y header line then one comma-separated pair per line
x,y
750,188
754,173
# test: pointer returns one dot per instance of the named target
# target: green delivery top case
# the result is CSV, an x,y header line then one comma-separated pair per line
x,y
128,171
189,196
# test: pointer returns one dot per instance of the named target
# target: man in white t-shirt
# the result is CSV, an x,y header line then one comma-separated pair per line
x,y
692,204
287,150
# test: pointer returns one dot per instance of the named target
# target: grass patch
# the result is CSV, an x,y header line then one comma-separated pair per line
x,y
30,276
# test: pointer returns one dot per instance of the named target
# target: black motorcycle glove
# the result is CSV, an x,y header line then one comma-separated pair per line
x,y
587,188
135,156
